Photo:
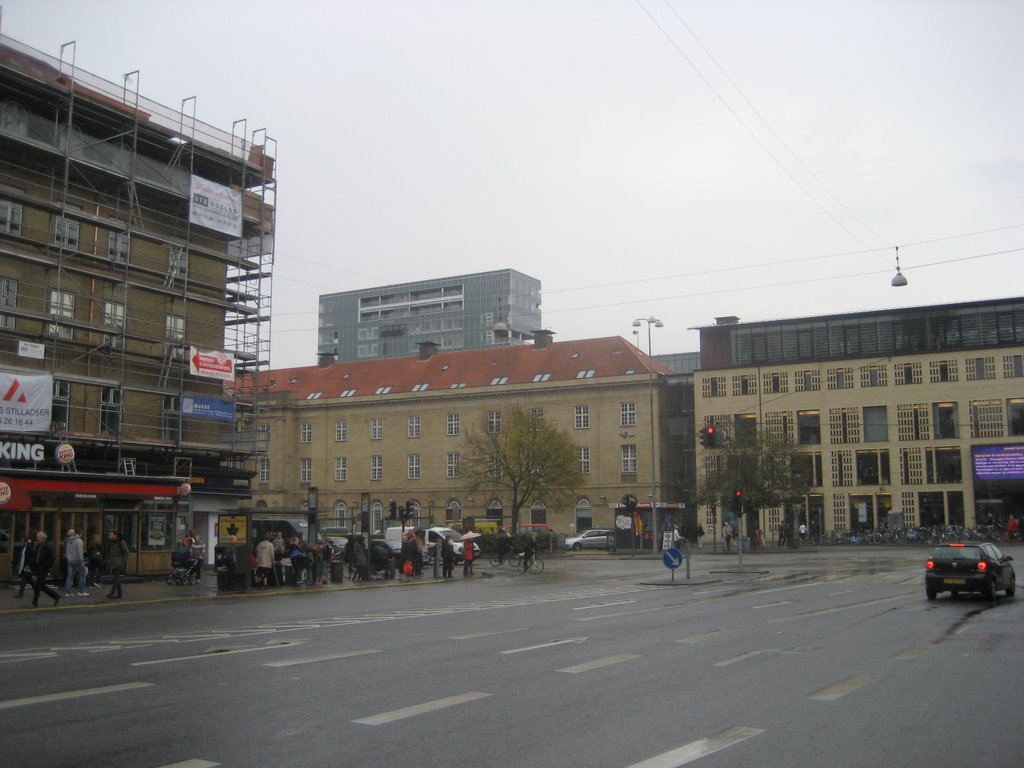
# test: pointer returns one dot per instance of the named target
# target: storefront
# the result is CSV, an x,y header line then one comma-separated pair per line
x,y
150,513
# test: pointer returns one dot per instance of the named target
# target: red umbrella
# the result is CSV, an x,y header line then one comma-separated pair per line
x,y
470,535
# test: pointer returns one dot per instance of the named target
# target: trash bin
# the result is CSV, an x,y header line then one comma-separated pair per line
x,y
337,571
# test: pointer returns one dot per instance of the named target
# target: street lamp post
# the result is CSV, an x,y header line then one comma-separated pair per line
x,y
655,526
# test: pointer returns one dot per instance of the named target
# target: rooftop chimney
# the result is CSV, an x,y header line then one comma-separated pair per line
x,y
427,349
542,339
324,359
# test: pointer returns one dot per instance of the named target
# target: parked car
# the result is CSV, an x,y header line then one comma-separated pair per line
x,y
595,538
430,537
957,568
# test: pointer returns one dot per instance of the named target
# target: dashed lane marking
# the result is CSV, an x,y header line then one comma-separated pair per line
x,y
315,659
28,701
600,663
701,748
420,709
840,689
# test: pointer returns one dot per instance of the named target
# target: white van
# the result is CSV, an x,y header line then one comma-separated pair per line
x,y
431,536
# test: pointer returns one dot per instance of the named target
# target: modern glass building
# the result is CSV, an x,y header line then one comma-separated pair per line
x,y
484,309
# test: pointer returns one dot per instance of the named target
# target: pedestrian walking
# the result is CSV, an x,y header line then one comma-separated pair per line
x,y
362,561
782,534
117,560
24,568
264,562
74,552
727,535
803,533
408,555
41,564
700,536
197,551
95,558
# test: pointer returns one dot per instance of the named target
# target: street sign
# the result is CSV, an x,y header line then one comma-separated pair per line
x,y
672,558
213,365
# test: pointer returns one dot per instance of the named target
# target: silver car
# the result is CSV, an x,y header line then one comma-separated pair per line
x,y
595,538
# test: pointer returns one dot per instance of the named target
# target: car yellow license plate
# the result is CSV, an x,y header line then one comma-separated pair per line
x,y
954,581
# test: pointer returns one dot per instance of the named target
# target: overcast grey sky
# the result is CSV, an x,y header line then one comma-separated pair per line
x,y
685,159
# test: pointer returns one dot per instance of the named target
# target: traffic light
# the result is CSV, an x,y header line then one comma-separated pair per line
x,y
709,437
393,508
737,502
407,513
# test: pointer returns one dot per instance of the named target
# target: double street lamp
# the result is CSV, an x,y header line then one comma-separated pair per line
x,y
654,459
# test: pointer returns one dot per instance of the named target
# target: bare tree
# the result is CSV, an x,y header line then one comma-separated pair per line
x,y
524,460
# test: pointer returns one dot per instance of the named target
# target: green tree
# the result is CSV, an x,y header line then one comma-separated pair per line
x,y
525,460
766,466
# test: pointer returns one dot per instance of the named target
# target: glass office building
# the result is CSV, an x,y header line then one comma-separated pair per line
x,y
484,309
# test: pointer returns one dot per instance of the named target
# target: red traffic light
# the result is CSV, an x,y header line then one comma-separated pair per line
x,y
738,494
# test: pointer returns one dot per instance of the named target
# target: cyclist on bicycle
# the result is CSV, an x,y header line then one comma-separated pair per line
x,y
529,552
503,546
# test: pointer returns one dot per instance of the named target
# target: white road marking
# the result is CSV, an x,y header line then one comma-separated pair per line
x,y
12,703
704,636
603,605
600,663
840,689
842,592
475,635
618,614
314,659
420,709
552,644
13,656
914,651
212,654
839,609
744,657
772,605
700,748
194,763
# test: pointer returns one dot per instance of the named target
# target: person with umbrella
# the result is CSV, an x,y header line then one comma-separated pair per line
x,y
467,553
447,557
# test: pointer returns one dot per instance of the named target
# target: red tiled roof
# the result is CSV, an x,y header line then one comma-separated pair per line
x,y
561,360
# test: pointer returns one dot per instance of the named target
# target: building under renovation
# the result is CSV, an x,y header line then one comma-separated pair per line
x,y
136,256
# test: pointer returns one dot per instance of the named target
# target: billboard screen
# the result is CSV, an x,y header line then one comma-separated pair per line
x,y
998,462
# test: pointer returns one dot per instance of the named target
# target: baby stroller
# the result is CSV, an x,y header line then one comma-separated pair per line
x,y
184,567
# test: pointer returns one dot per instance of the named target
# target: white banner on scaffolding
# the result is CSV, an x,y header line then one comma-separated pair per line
x,y
216,207
25,402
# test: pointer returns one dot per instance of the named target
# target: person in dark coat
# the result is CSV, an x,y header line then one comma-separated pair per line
x,y
24,569
117,559
447,557
41,565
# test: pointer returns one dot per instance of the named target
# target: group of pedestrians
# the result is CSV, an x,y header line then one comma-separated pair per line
x,y
37,560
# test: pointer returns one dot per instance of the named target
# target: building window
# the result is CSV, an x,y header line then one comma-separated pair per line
x,y
117,246
872,467
8,298
845,425
454,425
170,422
873,376
942,465
62,304
414,426
775,383
876,424
537,413
10,217
264,469
110,411
65,233
414,466
583,457
306,433
714,386
908,373
493,422
174,327
376,429
177,262
376,467
113,317
808,381
980,368
340,469
582,417
744,384
627,414
1013,366
629,459
808,425
1015,412
340,431
944,417
840,378
942,371
60,411
806,469
305,470
452,463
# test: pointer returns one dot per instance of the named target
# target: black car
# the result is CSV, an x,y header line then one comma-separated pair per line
x,y
980,567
